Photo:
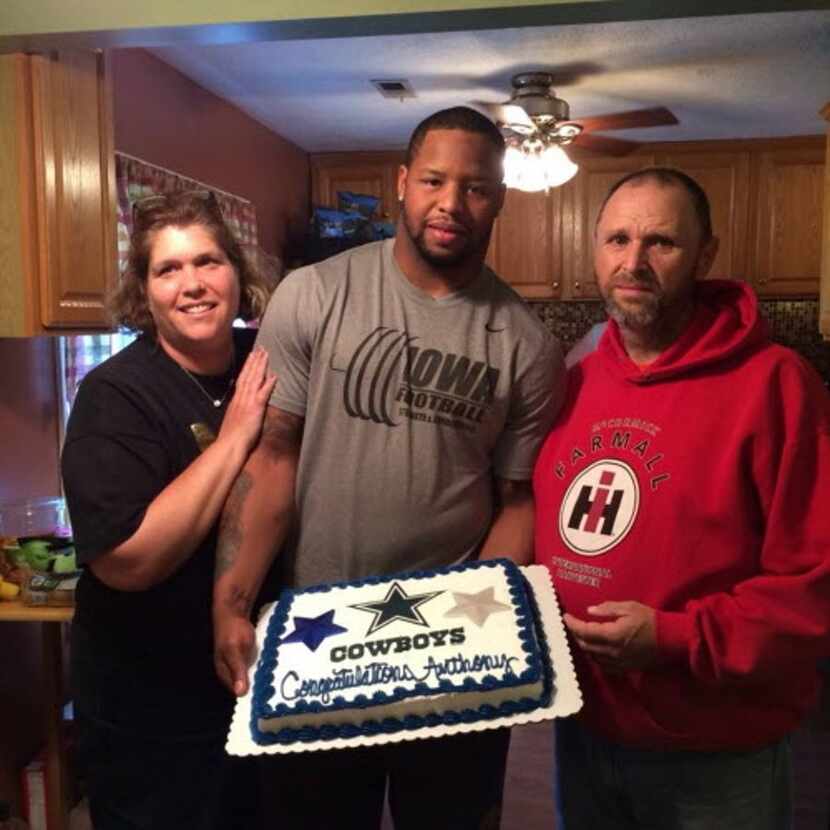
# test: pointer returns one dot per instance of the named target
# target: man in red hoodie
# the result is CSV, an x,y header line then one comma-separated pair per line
x,y
682,509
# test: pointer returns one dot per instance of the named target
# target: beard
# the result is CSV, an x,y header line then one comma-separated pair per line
x,y
642,316
439,258
655,310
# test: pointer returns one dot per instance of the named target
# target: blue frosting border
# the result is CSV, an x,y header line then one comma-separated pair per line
x,y
531,635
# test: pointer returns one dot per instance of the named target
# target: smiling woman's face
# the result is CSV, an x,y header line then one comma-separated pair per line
x,y
193,295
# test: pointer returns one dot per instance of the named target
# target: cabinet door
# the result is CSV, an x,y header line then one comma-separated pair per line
x,y
74,166
58,177
724,176
581,201
526,247
374,174
787,256
19,296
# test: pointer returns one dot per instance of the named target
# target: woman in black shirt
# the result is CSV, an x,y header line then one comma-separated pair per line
x,y
155,440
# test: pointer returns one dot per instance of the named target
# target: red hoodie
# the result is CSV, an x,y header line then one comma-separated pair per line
x,y
697,485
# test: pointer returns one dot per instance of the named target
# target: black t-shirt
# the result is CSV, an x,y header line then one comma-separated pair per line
x,y
142,659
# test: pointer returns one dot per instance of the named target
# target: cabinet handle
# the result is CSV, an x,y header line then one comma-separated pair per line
x,y
556,285
577,286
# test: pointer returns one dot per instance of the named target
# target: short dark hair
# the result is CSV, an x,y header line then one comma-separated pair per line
x,y
455,118
667,176
128,304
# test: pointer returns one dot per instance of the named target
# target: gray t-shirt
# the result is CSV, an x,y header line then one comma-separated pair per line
x,y
411,406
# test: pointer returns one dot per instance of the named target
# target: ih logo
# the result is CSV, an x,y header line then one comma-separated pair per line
x,y
599,507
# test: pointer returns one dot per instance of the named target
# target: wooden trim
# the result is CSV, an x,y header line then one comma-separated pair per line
x,y
533,291
16,611
30,236
571,235
357,157
18,224
727,145
57,778
109,195
556,276
46,198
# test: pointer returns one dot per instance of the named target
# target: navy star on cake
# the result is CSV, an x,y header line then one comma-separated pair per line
x,y
313,630
476,607
398,605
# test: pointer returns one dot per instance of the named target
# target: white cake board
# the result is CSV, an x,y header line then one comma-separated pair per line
x,y
567,698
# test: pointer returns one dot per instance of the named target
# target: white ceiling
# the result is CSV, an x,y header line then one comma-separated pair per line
x,y
742,76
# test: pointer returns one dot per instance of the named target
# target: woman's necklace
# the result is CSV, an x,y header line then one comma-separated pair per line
x,y
217,402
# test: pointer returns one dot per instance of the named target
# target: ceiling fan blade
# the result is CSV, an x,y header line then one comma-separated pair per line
x,y
654,117
604,144
509,115
493,110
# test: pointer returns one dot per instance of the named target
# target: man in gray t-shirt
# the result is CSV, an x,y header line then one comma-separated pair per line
x,y
411,404
414,390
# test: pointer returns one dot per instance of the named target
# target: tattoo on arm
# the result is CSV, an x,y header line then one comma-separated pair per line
x,y
230,528
239,601
281,434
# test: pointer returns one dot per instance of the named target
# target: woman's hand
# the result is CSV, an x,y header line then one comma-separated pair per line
x,y
245,413
181,515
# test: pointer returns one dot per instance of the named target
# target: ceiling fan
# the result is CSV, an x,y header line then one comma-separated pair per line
x,y
534,112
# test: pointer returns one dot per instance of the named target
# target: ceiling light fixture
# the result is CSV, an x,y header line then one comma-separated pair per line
x,y
537,163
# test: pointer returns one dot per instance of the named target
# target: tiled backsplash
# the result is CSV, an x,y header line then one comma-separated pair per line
x,y
792,323
569,321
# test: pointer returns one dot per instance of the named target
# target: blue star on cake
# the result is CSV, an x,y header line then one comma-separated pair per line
x,y
397,605
313,630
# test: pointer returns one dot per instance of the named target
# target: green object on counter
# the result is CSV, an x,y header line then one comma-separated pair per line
x,y
64,562
36,554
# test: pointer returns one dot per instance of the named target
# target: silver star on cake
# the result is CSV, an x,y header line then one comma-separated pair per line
x,y
476,607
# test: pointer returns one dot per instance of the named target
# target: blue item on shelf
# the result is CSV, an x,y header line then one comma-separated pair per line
x,y
383,229
332,224
357,202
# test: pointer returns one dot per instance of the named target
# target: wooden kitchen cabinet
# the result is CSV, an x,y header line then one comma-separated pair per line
x,y
766,202
374,174
766,198
57,193
581,201
526,244
525,247
725,176
788,218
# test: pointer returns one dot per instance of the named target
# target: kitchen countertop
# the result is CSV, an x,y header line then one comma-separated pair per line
x,y
16,611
